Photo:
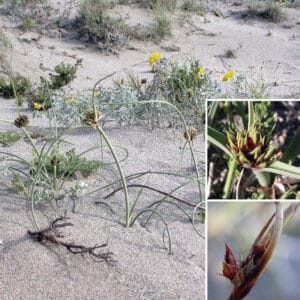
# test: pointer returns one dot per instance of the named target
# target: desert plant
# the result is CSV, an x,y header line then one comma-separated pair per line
x,y
27,23
5,47
8,137
269,10
17,85
29,12
65,165
193,6
96,25
163,23
62,74
168,4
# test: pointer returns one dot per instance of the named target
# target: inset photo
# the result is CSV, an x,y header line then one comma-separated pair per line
x,y
253,149
253,250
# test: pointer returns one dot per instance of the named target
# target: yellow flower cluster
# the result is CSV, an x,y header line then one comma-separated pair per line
x,y
201,71
37,106
227,76
154,58
72,100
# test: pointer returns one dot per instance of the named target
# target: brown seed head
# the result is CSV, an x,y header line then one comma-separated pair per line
x,y
92,118
22,121
190,134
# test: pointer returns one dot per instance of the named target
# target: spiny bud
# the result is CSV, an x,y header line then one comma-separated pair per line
x,y
230,267
251,148
22,121
92,118
190,134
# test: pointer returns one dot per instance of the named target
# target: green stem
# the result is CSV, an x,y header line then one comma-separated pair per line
x,y
293,149
229,178
123,179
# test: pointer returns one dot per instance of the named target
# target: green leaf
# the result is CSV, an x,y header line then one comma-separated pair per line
x,y
212,110
280,168
218,139
293,149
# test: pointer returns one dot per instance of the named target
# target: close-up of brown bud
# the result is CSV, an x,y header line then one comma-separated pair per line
x,y
92,118
22,121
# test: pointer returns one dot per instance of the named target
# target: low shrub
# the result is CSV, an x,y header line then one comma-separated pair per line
x,y
269,10
95,25
62,74
163,23
29,12
67,164
5,47
193,6
17,86
7,138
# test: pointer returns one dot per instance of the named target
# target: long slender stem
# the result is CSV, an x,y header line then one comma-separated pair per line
x,y
123,178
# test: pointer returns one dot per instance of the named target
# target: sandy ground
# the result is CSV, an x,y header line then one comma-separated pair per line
x,y
261,47
143,270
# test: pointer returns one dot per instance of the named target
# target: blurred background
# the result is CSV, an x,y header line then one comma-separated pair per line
x,y
238,223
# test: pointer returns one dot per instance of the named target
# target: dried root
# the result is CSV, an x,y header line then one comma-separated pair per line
x,y
52,235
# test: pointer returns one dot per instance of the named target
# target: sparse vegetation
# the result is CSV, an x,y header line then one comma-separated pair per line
x,y
269,10
8,137
66,165
97,26
16,86
163,23
5,47
28,12
193,6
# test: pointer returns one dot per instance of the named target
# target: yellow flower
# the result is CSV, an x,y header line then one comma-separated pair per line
x,y
227,76
155,57
37,106
72,100
96,94
201,71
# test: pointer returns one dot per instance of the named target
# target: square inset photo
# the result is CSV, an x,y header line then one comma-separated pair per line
x,y
253,149
253,250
